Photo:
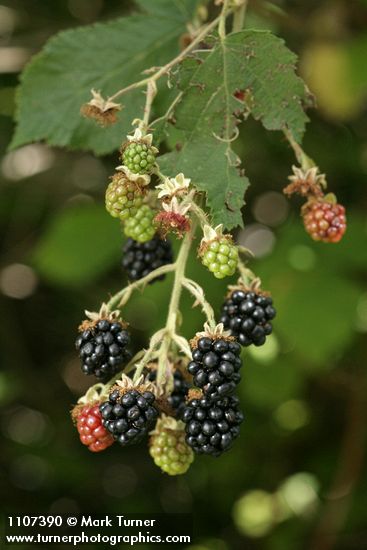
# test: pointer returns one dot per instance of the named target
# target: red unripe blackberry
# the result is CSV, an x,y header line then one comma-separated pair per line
x,y
324,221
211,428
139,259
215,366
89,425
247,315
129,416
102,348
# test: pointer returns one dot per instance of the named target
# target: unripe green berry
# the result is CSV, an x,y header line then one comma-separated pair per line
x,y
141,227
168,447
220,257
123,198
139,157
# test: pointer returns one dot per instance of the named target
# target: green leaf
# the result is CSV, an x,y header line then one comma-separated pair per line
x,y
256,62
106,57
72,252
212,166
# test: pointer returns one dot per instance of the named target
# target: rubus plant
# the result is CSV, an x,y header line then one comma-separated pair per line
x,y
178,176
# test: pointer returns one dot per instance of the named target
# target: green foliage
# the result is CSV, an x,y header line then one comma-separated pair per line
x,y
72,251
104,56
257,63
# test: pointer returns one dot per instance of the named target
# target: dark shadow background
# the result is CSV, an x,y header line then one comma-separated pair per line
x,y
297,476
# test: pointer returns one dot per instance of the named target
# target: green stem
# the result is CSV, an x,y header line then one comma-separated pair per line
x,y
239,17
196,290
304,160
166,68
222,20
171,323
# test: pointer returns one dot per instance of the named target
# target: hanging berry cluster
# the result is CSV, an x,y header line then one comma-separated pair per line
x,y
178,395
181,394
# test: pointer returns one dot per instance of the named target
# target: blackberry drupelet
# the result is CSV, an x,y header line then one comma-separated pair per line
x,y
215,366
91,431
139,259
103,348
129,416
247,315
211,428
181,386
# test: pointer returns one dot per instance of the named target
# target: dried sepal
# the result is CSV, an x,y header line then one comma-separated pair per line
x,y
94,394
248,286
140,179
104,313
306,183
216,333
212,234
194,393
139,137
166,422
172,187
102,110
142,384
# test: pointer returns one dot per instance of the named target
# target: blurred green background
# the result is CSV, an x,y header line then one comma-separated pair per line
x,y
297,477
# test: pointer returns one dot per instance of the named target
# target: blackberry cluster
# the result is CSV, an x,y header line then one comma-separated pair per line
x,y
103,348
220,257
130,416
139,259
215,367
141,227
247,315
211,427
139,157
91,431
181,386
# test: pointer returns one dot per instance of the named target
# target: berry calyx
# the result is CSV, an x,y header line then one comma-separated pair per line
x,y
247,314
176,399
324,221
218,253
141,227
102,345
139,259
129,414
92,433
211,428
123,197
215,366
168,447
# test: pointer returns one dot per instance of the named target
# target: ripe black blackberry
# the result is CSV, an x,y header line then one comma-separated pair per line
x,y
211,428
129,416
181,386
247,315
102,347
139,259
215,366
